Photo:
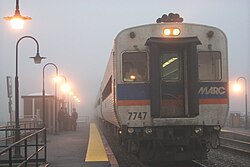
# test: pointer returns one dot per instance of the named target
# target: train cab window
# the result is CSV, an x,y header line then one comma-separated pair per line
x,y
134,67
209,65
170,65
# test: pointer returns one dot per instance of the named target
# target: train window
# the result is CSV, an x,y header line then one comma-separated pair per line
x,y
170,65
107,90
209,65
134,67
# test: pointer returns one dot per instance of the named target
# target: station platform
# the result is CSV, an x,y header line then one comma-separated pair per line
x,y
85,147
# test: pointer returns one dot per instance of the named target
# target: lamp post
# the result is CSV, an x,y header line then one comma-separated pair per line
x,y
17,20
37,60
43,91
245,80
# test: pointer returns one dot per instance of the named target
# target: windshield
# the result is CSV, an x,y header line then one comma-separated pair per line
x,y
134,67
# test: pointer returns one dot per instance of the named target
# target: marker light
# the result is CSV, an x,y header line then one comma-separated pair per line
x,y
171,31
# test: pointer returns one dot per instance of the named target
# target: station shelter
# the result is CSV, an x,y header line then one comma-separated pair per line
x,y
33,110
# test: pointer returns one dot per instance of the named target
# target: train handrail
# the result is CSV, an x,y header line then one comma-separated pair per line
x,y
26,159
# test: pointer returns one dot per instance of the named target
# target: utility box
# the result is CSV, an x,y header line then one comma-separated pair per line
x,y
234,120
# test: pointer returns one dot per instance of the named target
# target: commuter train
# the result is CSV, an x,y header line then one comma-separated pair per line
x,y
165,89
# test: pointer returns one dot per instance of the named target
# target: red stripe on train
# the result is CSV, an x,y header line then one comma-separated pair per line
x,y
133,102
213,101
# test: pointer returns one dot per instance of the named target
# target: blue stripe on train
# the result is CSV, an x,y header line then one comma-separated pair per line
x,y
140,91
137,91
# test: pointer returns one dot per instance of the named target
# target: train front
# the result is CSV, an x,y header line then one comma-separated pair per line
x,y
172,89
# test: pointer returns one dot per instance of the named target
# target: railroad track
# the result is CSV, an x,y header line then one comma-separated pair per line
x,y
237,145
198,164
167,164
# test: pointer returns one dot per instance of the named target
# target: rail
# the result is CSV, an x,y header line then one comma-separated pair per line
x,y
236,145
7,133
28,144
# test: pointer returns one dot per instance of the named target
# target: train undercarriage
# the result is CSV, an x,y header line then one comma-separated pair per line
x,y
175,143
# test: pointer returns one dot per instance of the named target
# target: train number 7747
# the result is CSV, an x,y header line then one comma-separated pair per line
x,y
137,115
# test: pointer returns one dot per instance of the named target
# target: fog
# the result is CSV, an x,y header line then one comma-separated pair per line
x,y
77,36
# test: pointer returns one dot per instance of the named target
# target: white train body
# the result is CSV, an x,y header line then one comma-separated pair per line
x,y
176,80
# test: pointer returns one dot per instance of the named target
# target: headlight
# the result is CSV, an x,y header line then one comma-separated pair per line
x,y
217,127
176,31
148,131
167,31
171,31
131,130
198,130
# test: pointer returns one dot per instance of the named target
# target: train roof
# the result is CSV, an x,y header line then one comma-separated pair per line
x,y
169,24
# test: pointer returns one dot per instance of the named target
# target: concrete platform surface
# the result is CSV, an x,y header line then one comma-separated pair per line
x,y
73,148
68,148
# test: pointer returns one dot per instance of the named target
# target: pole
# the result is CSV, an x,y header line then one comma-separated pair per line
x,y
17,153
56,112
9,92
55,98
246,104
246,117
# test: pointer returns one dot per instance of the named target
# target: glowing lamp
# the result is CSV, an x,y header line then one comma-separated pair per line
x,y
167,32
57,79
237,87
132,77
171,31
17,20
176,31
66,88
17,23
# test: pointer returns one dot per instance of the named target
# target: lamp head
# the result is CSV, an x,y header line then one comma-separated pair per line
x,y
38,58
17,20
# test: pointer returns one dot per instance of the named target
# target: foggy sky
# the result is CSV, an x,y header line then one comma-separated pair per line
x,y
77,36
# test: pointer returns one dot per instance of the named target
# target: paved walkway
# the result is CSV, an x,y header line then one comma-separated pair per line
x,y
68,148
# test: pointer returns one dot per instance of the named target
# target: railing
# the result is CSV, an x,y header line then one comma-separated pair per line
x,y
7,134
26,145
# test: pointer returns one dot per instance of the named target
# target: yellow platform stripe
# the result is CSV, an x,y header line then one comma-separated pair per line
x,y
95,151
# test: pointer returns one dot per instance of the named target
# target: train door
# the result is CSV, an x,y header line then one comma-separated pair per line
x,y
173,77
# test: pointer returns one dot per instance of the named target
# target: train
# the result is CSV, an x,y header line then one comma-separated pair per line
x,y
165,93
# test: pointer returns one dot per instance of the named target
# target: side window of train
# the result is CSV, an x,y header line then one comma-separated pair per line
x,y
209,65
107,90
134,67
